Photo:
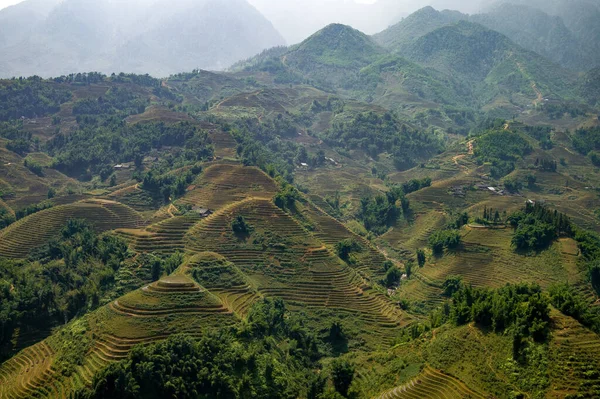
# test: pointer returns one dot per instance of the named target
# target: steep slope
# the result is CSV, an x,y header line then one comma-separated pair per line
x,y
333,54
419,23
481,56
537,31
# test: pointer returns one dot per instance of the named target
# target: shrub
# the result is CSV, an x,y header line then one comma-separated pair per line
x,y
240,226
441,239
392,277
342,375
345,247
34,167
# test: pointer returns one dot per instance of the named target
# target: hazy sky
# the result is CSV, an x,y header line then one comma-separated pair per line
x,y
297,19
6,3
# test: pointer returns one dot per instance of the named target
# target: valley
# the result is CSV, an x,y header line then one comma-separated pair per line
x,y
413,214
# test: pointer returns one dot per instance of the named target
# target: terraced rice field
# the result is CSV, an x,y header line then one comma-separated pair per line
x,y
223,184
225,145
20,238
415,234
282,260
135,198
329,231
432,384
26,374
225,280
172,305
486,259
574,359
163,237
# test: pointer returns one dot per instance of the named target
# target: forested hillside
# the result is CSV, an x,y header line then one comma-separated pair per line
x,y
410,215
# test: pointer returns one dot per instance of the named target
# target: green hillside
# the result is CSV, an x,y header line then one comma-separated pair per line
x,y
477,54
410,215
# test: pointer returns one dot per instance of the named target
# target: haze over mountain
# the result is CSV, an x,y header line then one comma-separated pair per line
x,y
51,37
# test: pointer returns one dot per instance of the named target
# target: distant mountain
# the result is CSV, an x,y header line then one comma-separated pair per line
x,y
528,26
546,34
419,23
333,53
482,56
159,37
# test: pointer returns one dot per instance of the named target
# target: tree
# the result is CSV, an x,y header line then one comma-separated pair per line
x,y
342,375
421,257
240,226
393,277
531,180
345,247
51,193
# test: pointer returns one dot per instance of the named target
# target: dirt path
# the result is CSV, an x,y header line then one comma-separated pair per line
x,y
538,93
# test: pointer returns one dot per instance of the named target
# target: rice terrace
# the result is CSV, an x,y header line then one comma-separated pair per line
x,y
411,212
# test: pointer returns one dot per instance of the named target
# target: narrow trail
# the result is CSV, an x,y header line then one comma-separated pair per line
x,y
538,93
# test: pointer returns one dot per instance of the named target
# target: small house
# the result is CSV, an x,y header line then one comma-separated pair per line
x,y
203,212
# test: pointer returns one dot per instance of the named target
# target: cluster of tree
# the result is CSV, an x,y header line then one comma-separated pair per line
x,y
345,248
116,100
333,104
415,185
100,143
547,165
375,134
286,197
6,218
448,239
89,78
264,149
501,148
542,134
313,160
491,215
160,265
271,355
34,167
31,97
586,140
169,186
570,302
381,212
589,245
67,277
557,111
512,185
523,308
34,208
393,275
239,225
536,227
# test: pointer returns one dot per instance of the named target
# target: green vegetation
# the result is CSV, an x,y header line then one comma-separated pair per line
x,y
502,149
375,134
240,226
99,145
448,239
522,307
65,278
537,226
380,213
318,163
224,363
31,97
